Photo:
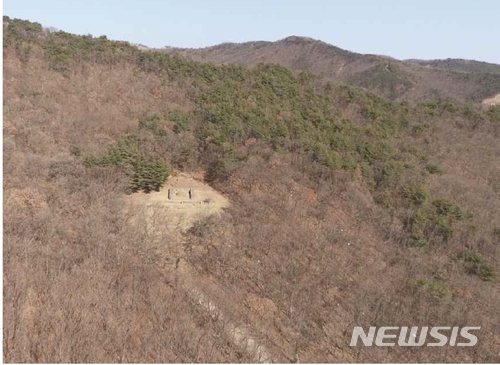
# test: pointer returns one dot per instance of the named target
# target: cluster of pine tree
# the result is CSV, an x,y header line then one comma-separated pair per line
x,y
147,172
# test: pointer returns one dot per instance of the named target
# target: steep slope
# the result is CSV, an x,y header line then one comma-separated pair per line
x,y
386,76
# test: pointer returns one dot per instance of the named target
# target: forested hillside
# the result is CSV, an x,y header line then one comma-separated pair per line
x,y
348,209
413,80
460,65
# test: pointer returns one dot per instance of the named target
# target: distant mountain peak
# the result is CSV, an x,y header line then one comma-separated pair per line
x,y
299,39
394,79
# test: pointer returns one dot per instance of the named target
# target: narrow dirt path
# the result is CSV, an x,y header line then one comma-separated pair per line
x,y
173,210
242,336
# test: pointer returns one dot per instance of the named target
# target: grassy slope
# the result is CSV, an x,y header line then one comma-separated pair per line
x,y
340,206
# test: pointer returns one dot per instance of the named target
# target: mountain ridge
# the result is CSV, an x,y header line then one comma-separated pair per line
x,y
387,76
345,209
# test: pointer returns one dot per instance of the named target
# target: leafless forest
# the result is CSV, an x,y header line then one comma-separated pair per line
x,y
346,210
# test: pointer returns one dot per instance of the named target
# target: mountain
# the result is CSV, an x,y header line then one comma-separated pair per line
x,y
459,65
391,78
334,208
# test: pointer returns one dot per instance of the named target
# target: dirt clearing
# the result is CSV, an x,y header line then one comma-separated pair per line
x,y
495,100
181,202
174,209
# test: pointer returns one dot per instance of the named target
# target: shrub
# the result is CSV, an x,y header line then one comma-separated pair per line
x,y
442,227
75,151
181,120
388,174
437,287
221,168
32,93
375,152
495,185
433,169
447,209
415,192
448,106
476,264
152,124
494,113
419,129
325,155
431,220
418,241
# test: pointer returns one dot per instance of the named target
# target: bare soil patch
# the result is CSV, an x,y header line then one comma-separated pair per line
x,y
492,101
189,200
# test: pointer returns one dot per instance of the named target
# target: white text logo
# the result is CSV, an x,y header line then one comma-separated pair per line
x,y
414,336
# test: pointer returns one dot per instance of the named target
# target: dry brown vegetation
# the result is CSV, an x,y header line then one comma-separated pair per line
x,y
309,248
80,284
328,259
